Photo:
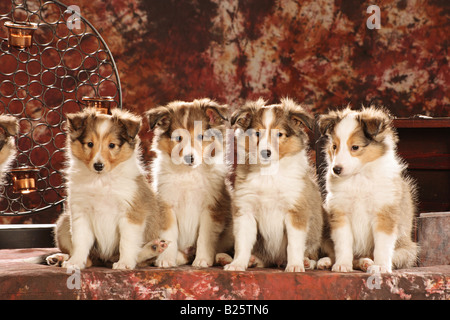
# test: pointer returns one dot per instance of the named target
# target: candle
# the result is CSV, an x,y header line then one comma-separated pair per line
x,y
102,105
20,34
24,179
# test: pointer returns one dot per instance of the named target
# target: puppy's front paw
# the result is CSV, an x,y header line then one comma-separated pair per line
x,y
163,263
342,268
364,264
73,264
223,259
324,263
235,267
202,263
295,268
124,265
57,259
309,264
379,269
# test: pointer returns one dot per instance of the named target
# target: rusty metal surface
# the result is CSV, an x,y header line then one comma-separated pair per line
x,y
22,280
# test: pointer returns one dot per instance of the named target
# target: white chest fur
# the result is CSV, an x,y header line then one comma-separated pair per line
x,y
362,195
103,199
269,197
189,192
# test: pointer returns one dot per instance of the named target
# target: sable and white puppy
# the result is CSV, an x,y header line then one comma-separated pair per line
x,y
9,127
189,175
370,201
277,212
111,211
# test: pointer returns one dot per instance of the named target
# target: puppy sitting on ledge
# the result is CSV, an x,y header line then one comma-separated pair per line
x,y
277,208
111,210
370,199
189,175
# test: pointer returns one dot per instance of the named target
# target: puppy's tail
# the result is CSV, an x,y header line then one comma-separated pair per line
x,y
36,260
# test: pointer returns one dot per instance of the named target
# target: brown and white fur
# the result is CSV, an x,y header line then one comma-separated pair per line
x,y
9,127
277,212
370,201
189,175
111,211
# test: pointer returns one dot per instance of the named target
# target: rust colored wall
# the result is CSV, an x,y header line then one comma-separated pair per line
x,y
319,52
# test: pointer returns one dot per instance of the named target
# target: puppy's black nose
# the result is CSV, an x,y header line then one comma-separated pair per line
x,y
189,159
266,154
337,170
98,166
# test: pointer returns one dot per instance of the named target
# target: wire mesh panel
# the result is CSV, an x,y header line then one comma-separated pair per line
x,y
40,84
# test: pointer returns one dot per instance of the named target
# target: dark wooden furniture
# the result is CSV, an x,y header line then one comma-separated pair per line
x,y
14,236
425,145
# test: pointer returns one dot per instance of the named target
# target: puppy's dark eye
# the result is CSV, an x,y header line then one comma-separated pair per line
x,y
90,144
334,147
178,138
111,145
280,134
355,148
257,133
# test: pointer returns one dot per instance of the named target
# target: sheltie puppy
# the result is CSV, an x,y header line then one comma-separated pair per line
x,y
111,211
370,201
189,175
277,206
9,127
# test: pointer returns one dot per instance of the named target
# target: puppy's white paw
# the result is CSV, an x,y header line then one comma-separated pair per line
x,y
295,268
235,267
324,263
163,263
342,268
124,265
364,264
223,259
202,263
57,259
309,264
73,264
379,269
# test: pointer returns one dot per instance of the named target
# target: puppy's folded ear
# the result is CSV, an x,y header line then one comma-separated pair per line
x,y
300,118
9,124
241,118
130,125
77,123
374,121
297,114
216,114
159,117
327,122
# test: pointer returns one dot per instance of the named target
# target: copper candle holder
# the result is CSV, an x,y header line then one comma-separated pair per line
x,y
24,179
102,105
20,34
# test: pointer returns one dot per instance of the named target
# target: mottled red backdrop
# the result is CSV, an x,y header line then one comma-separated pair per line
x,y
319,52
